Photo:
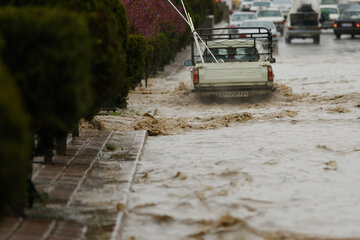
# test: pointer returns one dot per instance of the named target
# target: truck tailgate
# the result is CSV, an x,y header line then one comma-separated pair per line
x,y
235,74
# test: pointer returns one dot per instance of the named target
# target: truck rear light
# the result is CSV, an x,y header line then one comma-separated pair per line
x,y
274,35
196,77
357,25
242,36
270,74
336,25
232,26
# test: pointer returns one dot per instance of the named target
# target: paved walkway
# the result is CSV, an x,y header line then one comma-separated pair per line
x,y
87,190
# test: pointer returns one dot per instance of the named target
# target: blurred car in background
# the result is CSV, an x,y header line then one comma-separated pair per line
x,y
246,5
342,6
329,2
329,13
354,6
259,4
283,5
348,23
237,18
274,15
265,24
303,21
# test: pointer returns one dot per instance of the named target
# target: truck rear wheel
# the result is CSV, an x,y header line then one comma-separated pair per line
x,y
317,39
338,36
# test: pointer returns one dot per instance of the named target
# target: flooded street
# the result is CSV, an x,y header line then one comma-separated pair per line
x,y
282,168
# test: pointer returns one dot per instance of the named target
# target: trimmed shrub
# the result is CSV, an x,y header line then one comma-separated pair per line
x,y
15,146
135,59
160,56
48,51
109,29
150,67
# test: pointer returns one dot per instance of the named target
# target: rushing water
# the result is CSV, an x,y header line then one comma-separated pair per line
x,y
276,175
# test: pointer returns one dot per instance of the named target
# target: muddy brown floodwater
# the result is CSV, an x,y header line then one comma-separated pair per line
x,y
283,168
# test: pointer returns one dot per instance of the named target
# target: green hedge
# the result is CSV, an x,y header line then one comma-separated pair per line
x,y
48,51
15,164
135,59
109,30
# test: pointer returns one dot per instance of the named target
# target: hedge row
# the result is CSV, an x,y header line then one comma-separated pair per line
x,y
50,58
66,65
109,31
66,59
14,146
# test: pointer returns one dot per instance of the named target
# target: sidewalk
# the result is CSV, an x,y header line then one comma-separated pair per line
x,y
88,189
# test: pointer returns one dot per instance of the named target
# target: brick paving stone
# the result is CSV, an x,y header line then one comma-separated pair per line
x,y
68,231
71,152
7,225
62,159
32,229
83,182
83,160
47,176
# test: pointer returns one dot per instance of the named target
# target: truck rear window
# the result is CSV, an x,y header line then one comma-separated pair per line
x,y
350,15
233,54
304,19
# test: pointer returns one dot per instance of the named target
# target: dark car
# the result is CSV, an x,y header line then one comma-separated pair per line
x,y
348,23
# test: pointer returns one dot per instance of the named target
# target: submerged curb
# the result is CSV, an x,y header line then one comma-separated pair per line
x,y
139,141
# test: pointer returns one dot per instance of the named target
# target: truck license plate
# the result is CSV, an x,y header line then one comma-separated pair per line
x,y
234,94
347,25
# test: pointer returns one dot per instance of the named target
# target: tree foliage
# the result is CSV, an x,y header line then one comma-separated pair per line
x,y
135,59
109,29
48,51
14,146
165,30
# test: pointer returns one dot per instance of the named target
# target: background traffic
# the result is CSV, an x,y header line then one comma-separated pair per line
x,y
298,19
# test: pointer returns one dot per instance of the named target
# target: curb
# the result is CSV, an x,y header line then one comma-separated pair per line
x,y
117,232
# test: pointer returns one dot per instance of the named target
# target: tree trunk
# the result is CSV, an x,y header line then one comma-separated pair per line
x,y
61,145
75,131
48,157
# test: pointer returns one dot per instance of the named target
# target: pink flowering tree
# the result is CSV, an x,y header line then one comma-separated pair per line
x,y
165,31
148,17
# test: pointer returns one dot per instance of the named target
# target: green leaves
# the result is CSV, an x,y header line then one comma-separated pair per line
x,y
15,146
49,52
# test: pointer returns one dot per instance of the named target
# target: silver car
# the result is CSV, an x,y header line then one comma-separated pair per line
x,y
237,18
265,24
283,5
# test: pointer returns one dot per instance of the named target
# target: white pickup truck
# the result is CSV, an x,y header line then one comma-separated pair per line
x,y
233,64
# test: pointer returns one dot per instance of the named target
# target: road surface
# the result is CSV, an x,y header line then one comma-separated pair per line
x,y
284,168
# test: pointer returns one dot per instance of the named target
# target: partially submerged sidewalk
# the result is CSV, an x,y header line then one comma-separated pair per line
x,y
87,189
